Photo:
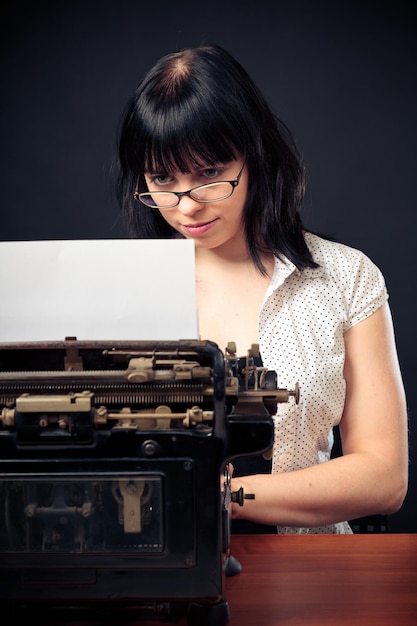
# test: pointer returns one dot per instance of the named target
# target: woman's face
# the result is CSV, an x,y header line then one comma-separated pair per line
x,y
209,224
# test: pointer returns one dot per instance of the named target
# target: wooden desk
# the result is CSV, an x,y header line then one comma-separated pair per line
x,y
312,580
350,580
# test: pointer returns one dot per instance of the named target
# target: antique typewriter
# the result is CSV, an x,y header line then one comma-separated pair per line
x,y
114,485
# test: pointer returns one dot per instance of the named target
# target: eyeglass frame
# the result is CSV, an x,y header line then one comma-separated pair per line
x,y
180,194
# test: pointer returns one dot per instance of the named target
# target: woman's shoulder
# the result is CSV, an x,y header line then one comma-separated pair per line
x,y
336,257
352,273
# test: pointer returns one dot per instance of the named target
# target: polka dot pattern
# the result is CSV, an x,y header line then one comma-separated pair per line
x,y
301,326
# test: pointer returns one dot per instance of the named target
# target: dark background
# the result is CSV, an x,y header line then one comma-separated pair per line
x,y
342,75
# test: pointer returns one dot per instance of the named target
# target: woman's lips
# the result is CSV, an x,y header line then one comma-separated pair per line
x,y
200,228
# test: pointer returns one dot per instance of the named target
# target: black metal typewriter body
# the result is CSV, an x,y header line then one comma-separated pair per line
x,y
114,486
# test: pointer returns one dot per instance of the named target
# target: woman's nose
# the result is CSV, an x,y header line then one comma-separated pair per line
x,y
188,206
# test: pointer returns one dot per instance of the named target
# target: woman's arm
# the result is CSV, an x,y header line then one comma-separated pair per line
x,y
372,475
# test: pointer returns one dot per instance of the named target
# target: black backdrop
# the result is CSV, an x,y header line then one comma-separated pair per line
x,y
341,74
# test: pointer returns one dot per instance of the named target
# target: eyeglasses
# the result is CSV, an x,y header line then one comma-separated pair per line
x,y
212,192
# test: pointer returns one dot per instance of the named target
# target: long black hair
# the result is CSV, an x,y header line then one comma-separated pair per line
x,y
199,106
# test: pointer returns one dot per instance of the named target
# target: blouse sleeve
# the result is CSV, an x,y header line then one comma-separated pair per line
x,y
366,290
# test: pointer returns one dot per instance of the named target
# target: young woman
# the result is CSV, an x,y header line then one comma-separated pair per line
x,y
202,156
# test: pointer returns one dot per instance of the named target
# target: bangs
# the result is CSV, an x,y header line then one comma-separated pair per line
x,y
177,140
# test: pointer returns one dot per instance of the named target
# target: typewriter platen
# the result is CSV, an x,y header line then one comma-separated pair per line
x,y
114,489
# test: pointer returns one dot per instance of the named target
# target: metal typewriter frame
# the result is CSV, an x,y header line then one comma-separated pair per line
x,y
88,430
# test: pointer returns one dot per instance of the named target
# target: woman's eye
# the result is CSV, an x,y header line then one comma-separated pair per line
x,y
160,179
211,173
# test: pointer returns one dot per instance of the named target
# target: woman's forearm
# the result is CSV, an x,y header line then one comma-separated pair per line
x,y
344,488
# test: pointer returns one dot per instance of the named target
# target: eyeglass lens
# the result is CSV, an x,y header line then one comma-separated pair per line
x,y
206,193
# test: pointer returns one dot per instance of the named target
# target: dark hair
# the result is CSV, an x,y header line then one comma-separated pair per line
x,y
199,106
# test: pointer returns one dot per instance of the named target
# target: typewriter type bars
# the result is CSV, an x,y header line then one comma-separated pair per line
x,y
111,463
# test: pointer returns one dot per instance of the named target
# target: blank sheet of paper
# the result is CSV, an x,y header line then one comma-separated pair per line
x,y
124,289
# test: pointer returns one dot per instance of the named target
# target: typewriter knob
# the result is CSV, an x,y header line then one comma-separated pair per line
x,y
240,496
150,447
